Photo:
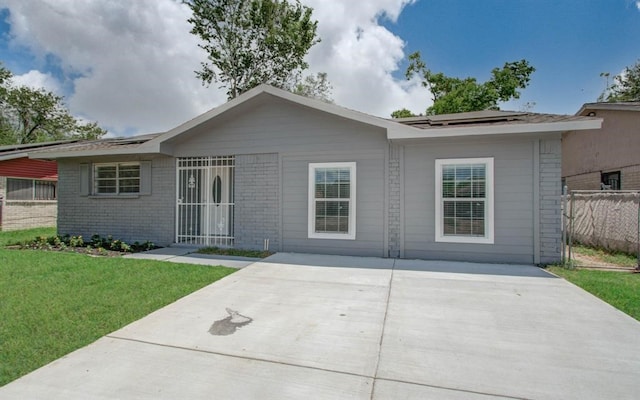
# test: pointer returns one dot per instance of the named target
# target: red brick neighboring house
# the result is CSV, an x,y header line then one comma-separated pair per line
x,y
28,187
606,158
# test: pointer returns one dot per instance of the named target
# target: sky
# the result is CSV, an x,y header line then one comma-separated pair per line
x,y
129,65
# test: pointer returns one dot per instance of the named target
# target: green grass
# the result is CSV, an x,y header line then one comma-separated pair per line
x,y
52,303
620,289
616,258
235,252
15,237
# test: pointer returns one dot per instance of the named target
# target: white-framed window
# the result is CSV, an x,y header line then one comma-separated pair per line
x,y
332,200
464,200
30,189
116,178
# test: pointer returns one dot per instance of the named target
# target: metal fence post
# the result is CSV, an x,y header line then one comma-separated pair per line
x,y
638,235
564,224
571,218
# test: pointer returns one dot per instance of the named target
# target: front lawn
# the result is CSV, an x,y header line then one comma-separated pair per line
x,y
52,303
620,289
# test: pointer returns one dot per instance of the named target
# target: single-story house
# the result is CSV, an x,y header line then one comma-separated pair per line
x,y
604,158
27,187
273,169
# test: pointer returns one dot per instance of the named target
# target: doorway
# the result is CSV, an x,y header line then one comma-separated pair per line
x,y
205,203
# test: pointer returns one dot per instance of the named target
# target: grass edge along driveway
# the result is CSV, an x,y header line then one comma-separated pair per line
x,y
52,303
620,289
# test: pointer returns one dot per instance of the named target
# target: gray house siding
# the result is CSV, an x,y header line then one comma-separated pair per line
x,y
370,204
513,194
294,136
139,218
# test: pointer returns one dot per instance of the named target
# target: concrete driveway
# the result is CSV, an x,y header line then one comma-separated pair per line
x,y
323,327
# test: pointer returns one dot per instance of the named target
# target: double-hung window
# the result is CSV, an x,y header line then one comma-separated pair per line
x,y
464,200
123,178
332,200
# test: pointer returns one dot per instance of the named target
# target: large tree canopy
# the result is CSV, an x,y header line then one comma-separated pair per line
x,y
35,115
249,42
454,95
626,86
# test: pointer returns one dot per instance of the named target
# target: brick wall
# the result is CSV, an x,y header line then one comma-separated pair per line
x,y
393,246
256,196
28,214
141,218
550,201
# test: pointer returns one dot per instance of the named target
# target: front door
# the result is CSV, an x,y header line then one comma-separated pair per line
x,y
205,201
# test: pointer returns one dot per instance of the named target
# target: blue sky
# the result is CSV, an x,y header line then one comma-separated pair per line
x,y
569,43
130,64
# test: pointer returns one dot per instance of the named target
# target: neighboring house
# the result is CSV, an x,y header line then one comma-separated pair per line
x,y
271,168
27,187
607,158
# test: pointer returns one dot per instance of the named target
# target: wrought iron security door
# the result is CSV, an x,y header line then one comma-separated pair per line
x,y
205,203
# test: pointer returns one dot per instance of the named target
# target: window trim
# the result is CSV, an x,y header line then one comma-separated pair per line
x,y
312,234
604,176
117,179
489,236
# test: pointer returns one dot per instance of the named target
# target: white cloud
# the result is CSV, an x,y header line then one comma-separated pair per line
x,y
36,80
638,4
136,59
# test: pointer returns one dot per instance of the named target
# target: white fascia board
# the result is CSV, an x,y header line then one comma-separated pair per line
x,y
496,129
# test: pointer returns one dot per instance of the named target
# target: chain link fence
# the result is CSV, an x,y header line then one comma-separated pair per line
x,y
607,220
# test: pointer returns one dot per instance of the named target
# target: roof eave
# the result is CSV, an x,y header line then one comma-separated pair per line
x,y
608,106
46,155
507,129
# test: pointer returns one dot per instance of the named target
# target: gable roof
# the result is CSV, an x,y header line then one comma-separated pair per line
x,y
462,124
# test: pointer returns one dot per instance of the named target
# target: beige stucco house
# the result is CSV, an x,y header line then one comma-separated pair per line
x,y
607,158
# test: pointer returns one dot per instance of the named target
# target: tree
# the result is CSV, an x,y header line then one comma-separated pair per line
x,y
35,115
625,87
249,42
315,86
454,95
403,113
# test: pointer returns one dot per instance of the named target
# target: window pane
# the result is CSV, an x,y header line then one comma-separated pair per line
x,y
463,189
129,171
332,191
448,189
320,175
332,175
345,191
106,172
448,173
479,171
106,186
449,208
320,191
463,172
478,189
449,226
19,189
44,190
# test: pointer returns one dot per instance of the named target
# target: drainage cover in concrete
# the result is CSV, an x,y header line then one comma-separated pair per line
x,y
229,325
